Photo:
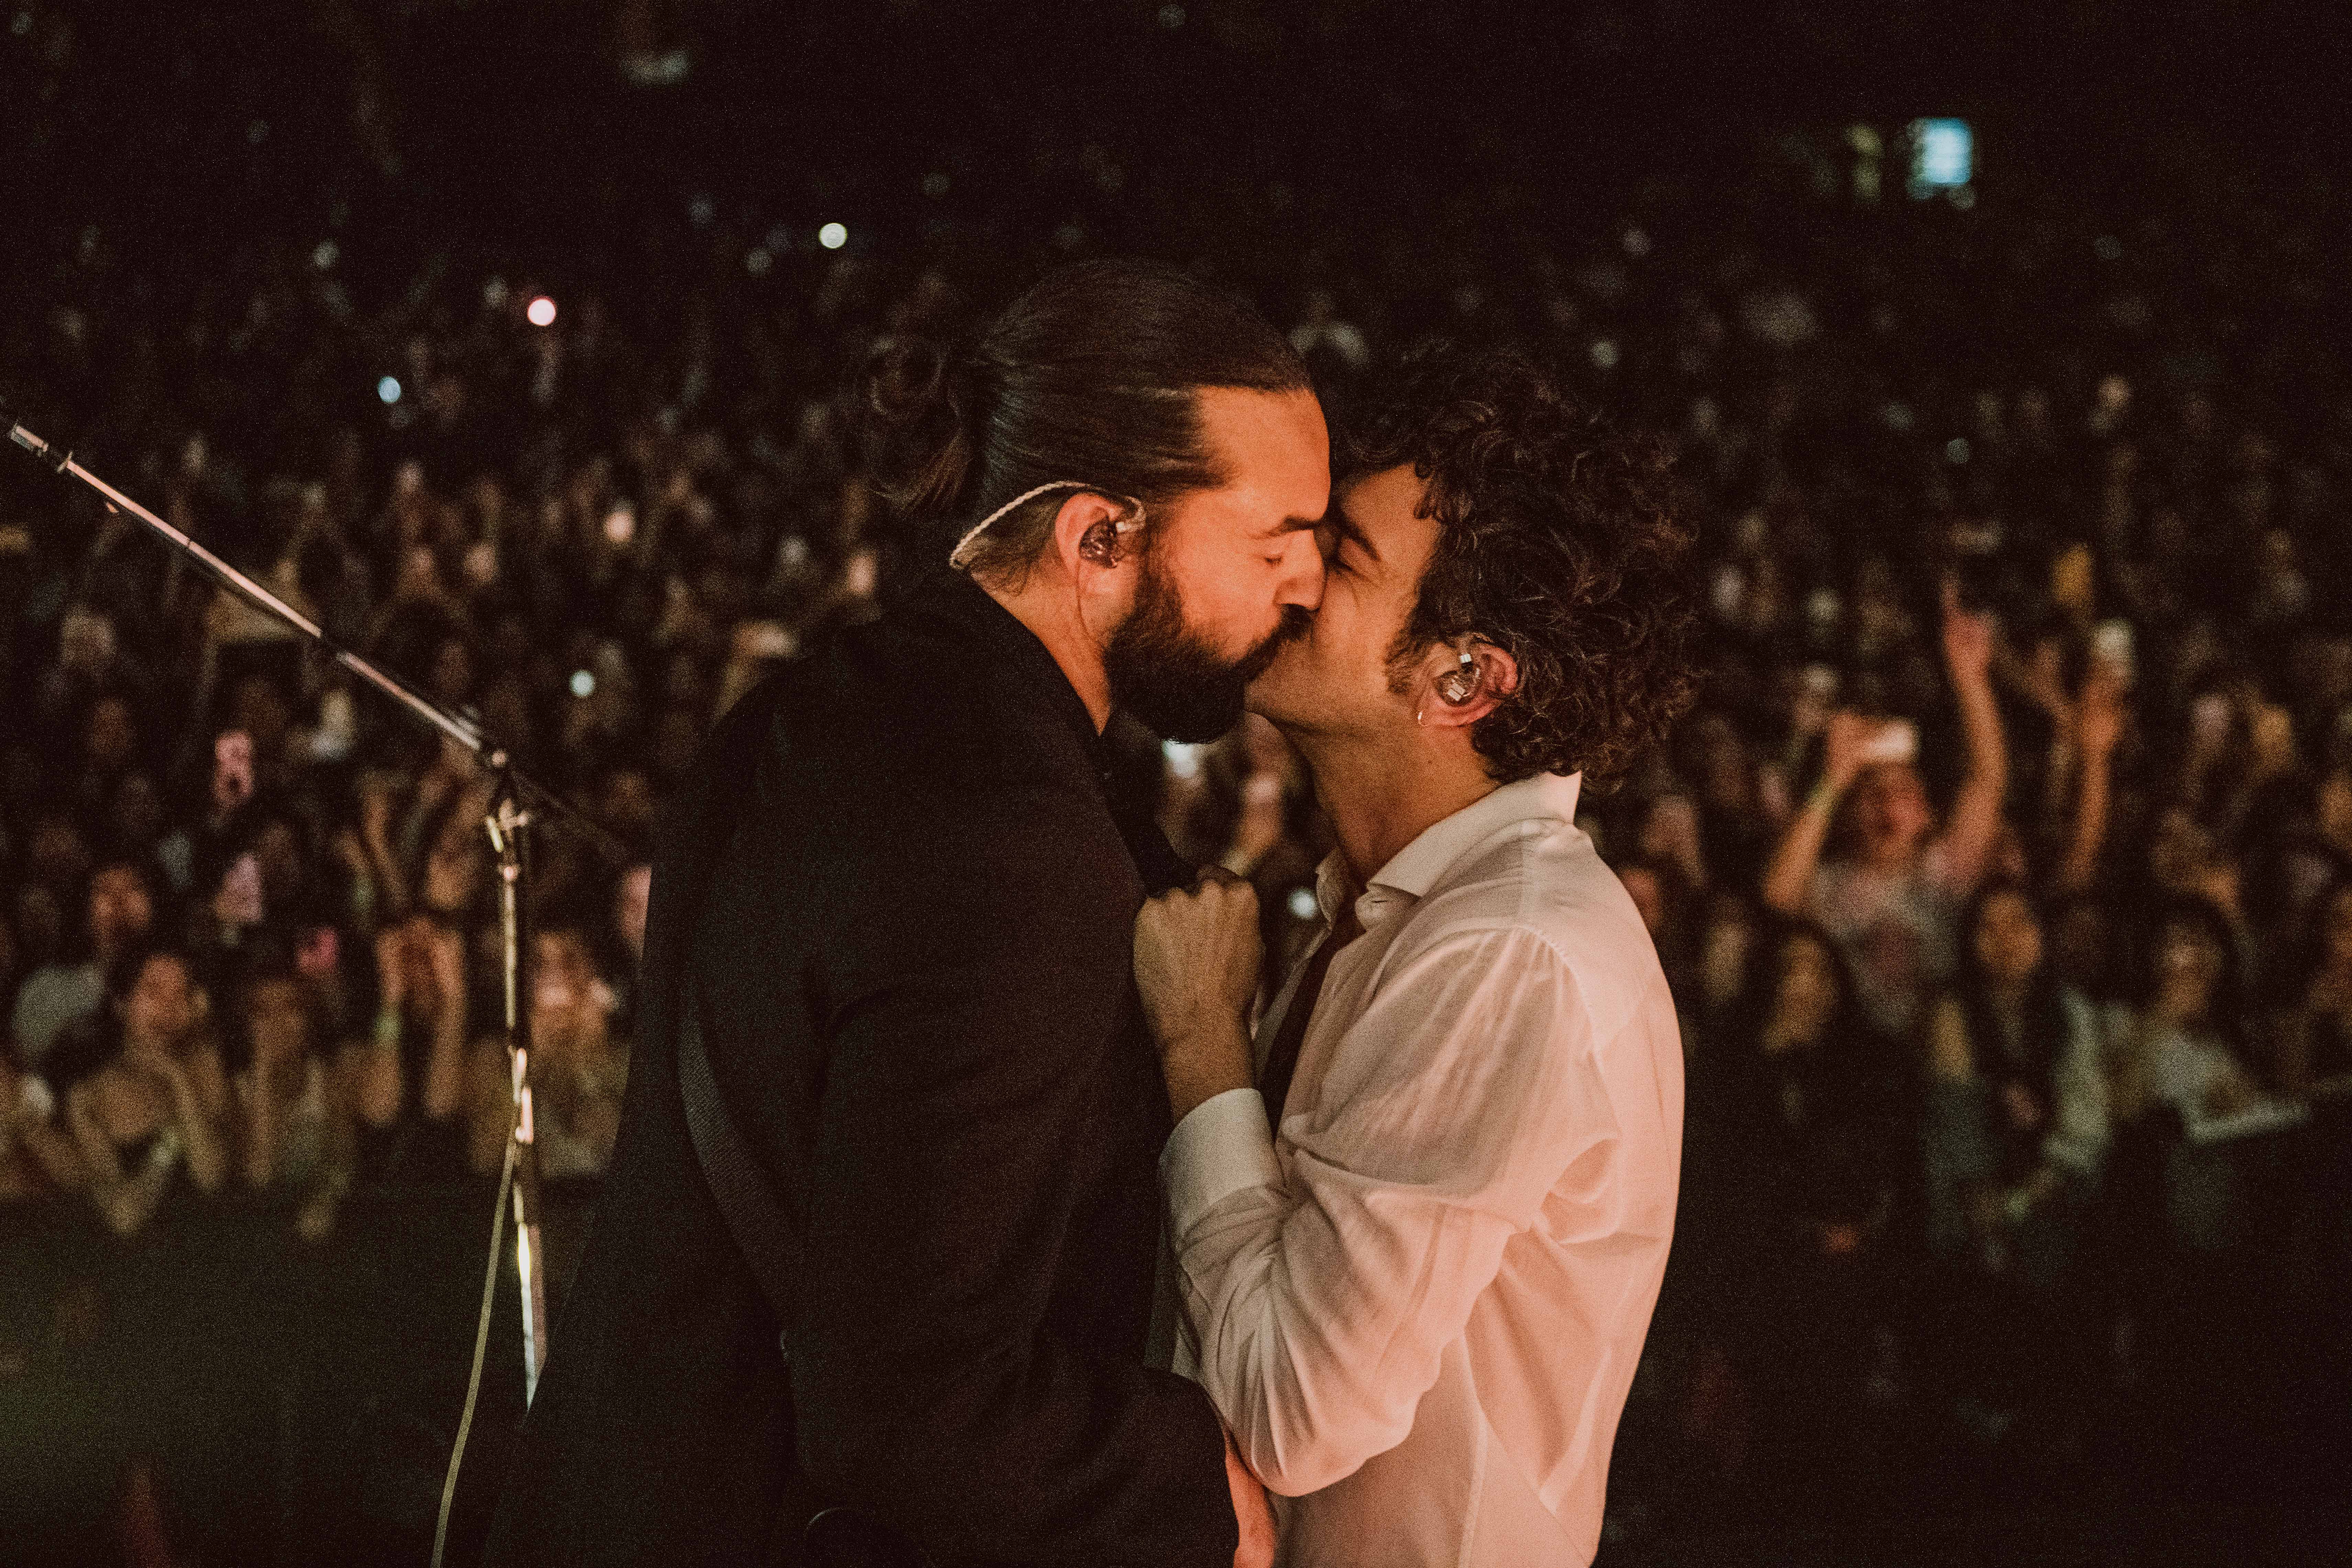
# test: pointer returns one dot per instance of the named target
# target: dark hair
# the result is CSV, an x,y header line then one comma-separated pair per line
x,y
2047,1028
1090,376
1561,542
2226,1014
270,968
1763,983
122,974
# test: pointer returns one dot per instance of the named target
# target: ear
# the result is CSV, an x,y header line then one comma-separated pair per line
x,y
1494,673
1088,542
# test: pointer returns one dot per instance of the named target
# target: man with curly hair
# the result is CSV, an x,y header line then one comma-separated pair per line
x,y
1417,1289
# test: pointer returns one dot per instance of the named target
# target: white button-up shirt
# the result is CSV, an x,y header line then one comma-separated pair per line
x,y
1419,1306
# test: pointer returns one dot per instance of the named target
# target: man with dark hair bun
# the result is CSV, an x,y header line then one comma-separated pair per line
x,y
891,914
1417,1293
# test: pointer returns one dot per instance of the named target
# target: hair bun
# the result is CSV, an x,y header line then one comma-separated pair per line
x,y
918,400
907,380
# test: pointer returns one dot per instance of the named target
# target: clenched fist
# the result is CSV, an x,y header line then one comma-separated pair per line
x,y
1196,963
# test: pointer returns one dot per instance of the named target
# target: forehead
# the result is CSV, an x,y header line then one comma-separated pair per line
x,y
1274,447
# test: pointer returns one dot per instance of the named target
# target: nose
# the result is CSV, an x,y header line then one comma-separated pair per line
x,y
1302,574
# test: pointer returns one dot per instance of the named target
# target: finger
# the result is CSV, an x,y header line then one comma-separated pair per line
x,y
1218,875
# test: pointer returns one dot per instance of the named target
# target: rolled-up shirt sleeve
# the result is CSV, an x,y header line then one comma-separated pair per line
x,y
1325,1275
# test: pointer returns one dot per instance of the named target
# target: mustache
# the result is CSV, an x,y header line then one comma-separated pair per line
x,y
1293,624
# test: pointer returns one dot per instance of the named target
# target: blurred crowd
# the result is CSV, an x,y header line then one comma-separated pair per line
x,y
2003,875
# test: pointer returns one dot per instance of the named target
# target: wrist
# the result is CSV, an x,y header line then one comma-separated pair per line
x,y
1203,1063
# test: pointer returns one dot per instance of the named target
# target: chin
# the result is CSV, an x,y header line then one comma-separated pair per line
x,y
1269,695
1263,702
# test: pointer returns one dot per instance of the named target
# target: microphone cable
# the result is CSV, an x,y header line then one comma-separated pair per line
x,y
481,1348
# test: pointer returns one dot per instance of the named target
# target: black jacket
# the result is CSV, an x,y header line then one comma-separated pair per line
x,y
907,898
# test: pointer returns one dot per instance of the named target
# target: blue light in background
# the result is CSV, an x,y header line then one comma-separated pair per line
x,y
1942,155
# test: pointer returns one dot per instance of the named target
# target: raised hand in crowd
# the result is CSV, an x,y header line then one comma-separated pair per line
x,y
421,966
1849,740
578,1070
2097,725
1968,637
298,1135
36,1155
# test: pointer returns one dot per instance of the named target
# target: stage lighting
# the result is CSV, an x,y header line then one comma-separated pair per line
x,y
832,236
582,684
541,312
388,389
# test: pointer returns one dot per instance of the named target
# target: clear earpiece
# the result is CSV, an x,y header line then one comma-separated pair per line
x,y
1457,686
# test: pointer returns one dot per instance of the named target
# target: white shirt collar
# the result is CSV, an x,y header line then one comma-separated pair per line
x,y
1415,869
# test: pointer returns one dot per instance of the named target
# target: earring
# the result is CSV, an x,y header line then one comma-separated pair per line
x,y
1455,686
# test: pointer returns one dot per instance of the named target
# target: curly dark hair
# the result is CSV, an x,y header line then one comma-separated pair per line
x,y
1560,541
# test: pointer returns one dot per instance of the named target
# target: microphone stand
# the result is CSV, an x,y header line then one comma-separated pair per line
x,y
508,818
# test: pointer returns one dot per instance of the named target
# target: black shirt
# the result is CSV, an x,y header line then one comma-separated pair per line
x,y
907,901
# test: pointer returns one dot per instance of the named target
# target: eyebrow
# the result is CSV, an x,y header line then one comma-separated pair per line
x,y
1292,525
1348,528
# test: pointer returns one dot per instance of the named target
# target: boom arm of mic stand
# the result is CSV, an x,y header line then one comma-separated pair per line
x,y
456,726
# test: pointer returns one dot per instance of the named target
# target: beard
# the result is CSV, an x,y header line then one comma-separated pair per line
x,y
1167,674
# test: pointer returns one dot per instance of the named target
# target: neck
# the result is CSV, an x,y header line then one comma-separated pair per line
x,y
1381,795
1053,619
2009,995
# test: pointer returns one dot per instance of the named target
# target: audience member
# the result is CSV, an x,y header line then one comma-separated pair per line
x,y
155,1103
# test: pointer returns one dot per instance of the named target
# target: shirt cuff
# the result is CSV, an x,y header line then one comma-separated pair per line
x,y
1221,1147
